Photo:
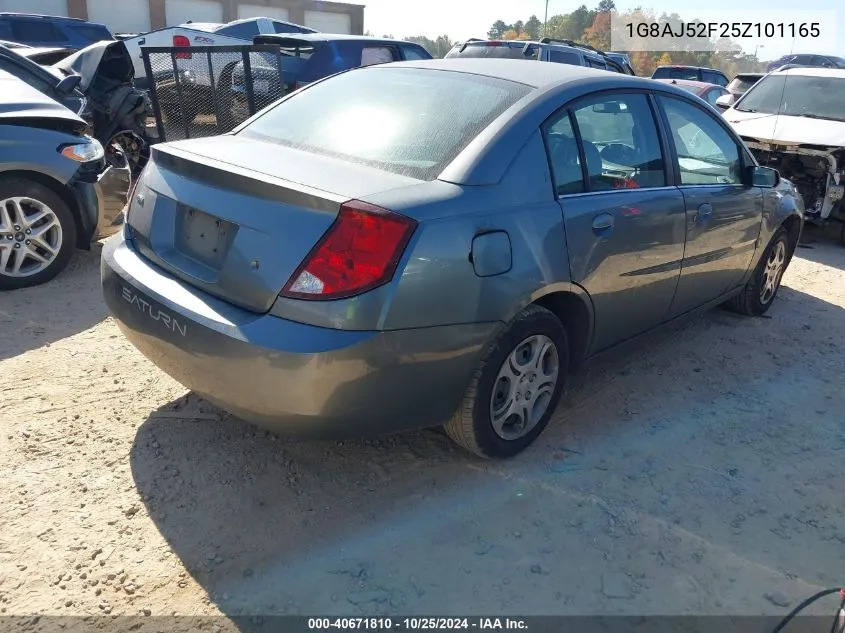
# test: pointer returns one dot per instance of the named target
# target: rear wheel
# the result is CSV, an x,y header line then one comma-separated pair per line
x,y
515,388
759,293
37,234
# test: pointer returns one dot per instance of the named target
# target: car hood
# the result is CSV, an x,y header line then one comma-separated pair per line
x,y
793,130
86,63
18,100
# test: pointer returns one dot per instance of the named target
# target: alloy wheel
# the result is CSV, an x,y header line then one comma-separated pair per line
x,y
524,387
773,272
30,236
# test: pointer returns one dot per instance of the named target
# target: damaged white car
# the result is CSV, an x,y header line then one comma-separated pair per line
x,y
794,120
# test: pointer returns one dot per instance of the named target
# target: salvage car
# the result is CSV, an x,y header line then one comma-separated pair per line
x,y
794,120
446,252
57,192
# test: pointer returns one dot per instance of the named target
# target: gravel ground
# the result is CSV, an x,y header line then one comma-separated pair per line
x,y
697,473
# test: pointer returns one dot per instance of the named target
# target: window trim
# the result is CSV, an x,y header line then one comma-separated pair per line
x,y
670,168
743,152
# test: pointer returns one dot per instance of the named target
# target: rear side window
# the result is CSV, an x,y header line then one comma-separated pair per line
x,y
409,121
5,30
371,55
621,143
594,63
564,57
93,32
282,27
243,31
35,31
713,78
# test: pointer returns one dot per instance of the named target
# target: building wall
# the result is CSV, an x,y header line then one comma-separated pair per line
x,y
157,10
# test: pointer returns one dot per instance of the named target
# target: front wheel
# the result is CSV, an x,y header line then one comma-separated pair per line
x,y
37,234
515,388
759,293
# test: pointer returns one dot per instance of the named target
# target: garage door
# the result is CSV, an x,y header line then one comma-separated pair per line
x,y
328,21
124,17
44,7
180,11
263,11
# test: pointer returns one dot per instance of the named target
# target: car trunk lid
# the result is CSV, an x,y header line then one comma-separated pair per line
x,y
211,213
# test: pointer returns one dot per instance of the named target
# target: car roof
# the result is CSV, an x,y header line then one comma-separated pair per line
x,y
208,27
332,37
537,75
749,75
703,85
57,18
688,66
809,71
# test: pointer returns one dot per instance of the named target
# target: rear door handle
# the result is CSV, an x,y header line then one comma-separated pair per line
x,y
705,212
603,222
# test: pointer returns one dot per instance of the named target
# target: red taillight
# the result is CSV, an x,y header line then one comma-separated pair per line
x,y
359,252
181,40
495,44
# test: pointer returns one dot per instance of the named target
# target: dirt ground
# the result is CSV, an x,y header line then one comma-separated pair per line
x,y
699,473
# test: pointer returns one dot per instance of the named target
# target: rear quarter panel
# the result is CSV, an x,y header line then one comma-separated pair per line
x,y
437,283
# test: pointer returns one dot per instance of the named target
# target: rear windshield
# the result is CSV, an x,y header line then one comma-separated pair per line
x,y
496,51
409,121
740,84
676,73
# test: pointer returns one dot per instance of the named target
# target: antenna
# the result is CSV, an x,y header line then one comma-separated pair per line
x,y
780,105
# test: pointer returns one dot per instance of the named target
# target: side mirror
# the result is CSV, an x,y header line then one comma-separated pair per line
x,y
725,101
763,176
68,85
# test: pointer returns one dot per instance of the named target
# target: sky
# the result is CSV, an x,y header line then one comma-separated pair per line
x,y
462,19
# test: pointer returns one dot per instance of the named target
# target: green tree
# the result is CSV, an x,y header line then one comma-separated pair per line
x,y
532,27
579,21
497,30
605,5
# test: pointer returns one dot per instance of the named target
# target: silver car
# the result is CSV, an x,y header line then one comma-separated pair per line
x,y
440,242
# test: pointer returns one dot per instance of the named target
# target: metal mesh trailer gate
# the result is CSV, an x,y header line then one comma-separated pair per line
x,y
208,90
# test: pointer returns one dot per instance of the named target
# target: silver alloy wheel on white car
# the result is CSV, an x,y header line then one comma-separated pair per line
x,y
524,387
773,271
30,236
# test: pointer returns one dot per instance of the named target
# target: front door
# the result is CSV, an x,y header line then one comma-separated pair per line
x,y
724,215
624,225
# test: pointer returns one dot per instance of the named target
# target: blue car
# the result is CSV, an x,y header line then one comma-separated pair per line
x,y
308,57
50,31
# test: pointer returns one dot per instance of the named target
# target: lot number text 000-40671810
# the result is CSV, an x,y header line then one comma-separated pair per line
x,y
416,624
723,29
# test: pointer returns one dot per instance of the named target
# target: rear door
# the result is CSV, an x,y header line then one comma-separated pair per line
x,y
724,215
624,223
36,32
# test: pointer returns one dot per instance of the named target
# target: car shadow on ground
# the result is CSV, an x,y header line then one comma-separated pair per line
x,y
71,303
690,443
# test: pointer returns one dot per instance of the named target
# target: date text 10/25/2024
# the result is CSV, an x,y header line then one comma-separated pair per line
x,y
417,624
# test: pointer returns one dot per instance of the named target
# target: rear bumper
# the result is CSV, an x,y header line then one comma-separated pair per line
x,y
101,199
289,377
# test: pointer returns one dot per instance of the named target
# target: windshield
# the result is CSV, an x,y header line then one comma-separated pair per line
x,y
796,95
409,121
676,73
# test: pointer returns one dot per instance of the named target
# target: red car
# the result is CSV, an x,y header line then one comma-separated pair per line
x,y
708,92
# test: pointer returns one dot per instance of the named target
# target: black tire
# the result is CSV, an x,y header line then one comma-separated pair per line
x,y
23,187
472,426
749,301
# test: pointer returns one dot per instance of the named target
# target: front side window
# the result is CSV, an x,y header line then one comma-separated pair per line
x,y
564,57
707,154
620,142
412,53
713,95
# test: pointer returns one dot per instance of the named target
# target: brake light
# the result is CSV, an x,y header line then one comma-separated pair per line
x,y
182,40
495,44
359,252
